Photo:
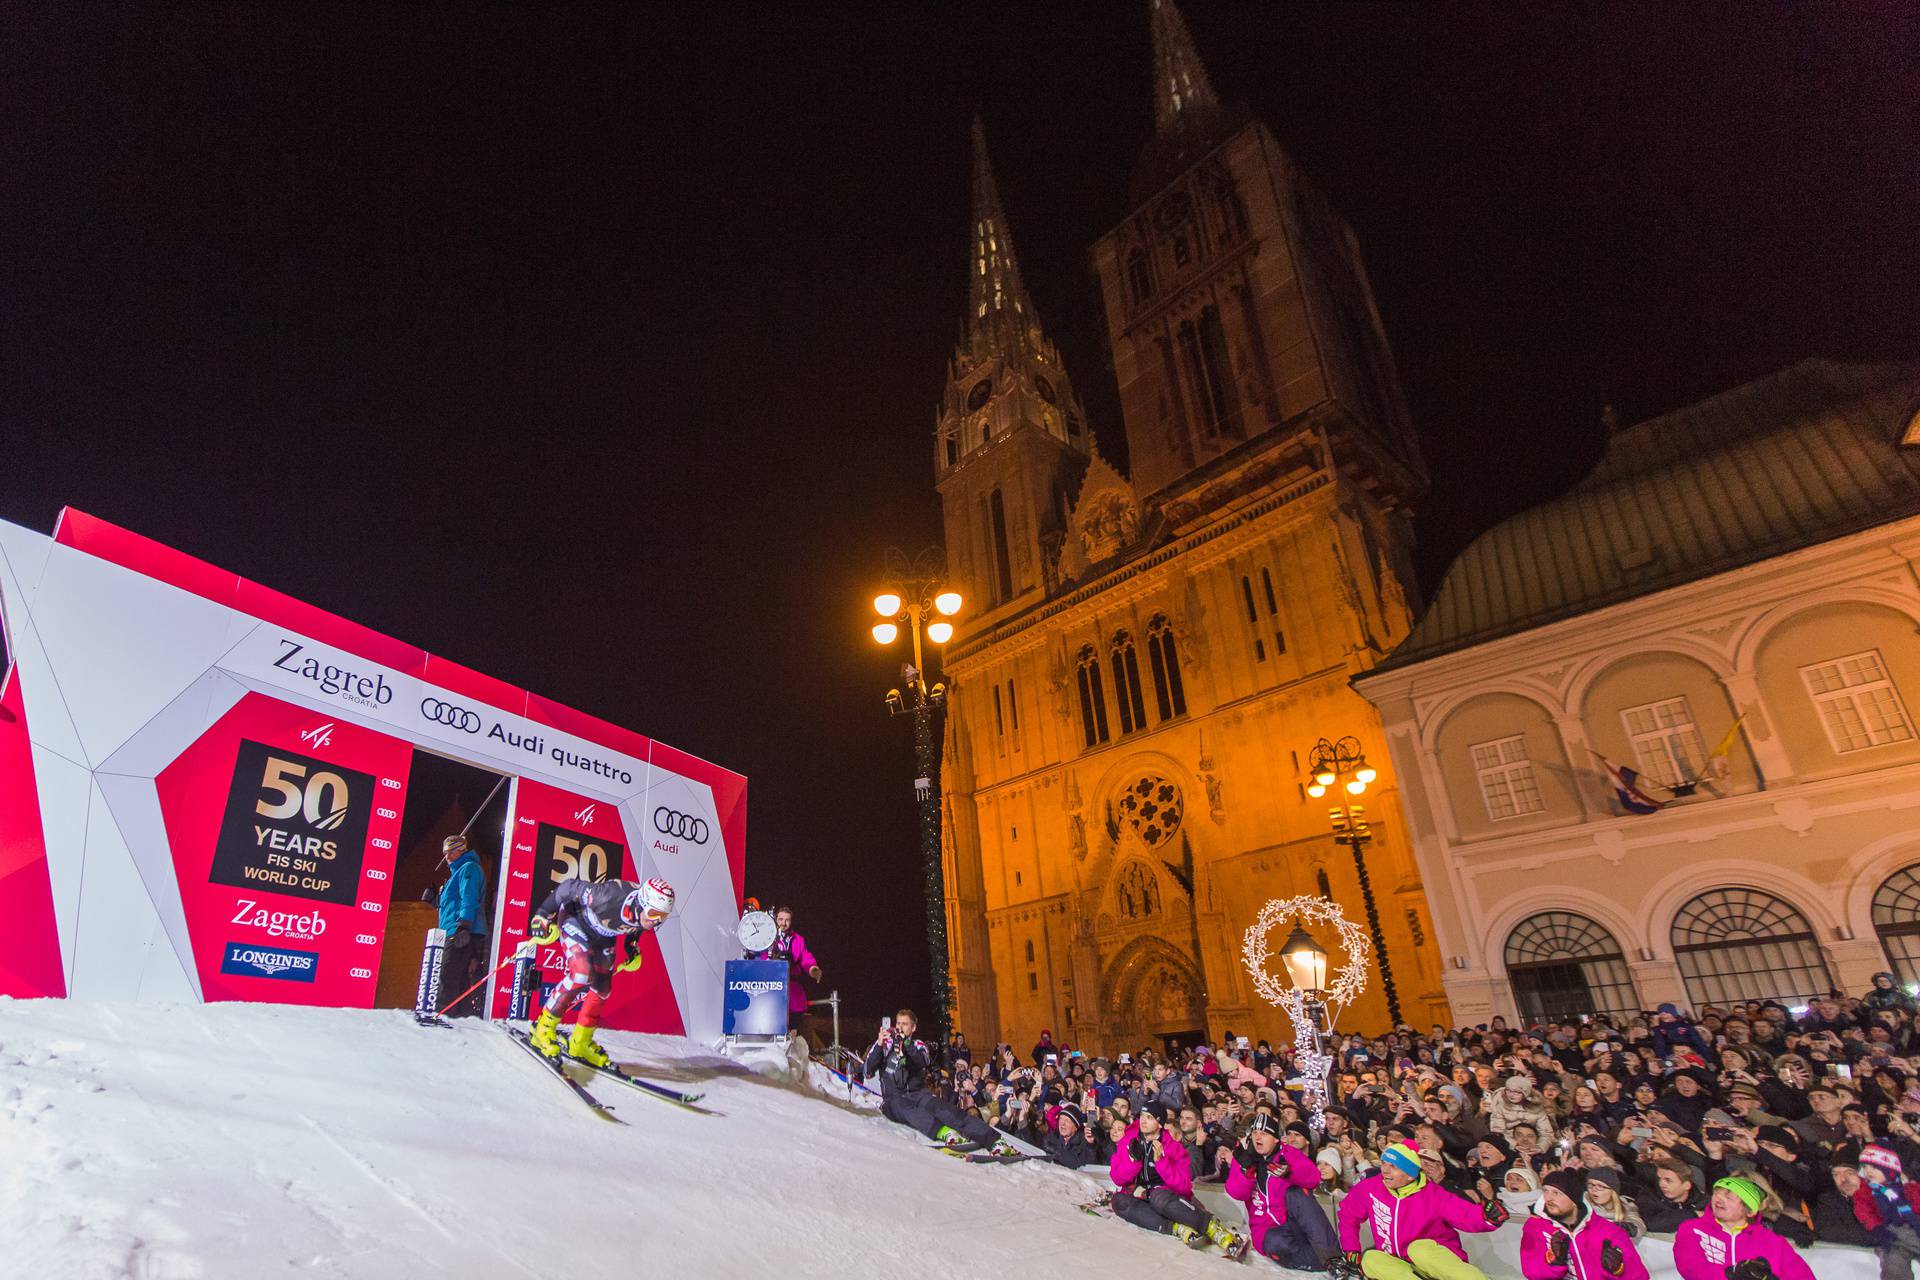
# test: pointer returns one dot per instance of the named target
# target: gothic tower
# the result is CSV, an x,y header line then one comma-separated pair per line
x,y
1011,440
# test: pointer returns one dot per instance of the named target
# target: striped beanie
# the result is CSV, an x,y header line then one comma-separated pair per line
x,y
1404,1156
1749,1192
1881,1158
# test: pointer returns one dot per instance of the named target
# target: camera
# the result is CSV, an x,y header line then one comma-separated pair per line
x,y
1718,1133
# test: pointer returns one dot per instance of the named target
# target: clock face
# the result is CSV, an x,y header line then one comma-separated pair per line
x,y
1045,388
757,931
978,396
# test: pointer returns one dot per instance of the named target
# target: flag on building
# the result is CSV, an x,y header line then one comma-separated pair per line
x,y
1626,785
1717,763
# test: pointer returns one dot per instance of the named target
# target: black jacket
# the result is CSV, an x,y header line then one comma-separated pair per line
x,y
1662,1214
1073,1153
590,913
902,1066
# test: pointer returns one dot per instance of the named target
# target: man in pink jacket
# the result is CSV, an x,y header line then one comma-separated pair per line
x,y
1416,1224
1564,1239
1729,1242
1276,1180
1155,1186
791,947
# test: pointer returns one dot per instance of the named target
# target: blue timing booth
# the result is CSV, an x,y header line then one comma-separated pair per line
x,y
756,999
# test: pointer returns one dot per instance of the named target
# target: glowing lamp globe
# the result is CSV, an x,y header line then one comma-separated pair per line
x,y
947,602
939,632
1366,773
1316,791
1306,962
1355,787
1324,777
887,605
885,632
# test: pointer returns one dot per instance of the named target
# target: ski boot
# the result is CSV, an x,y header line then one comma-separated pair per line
x,y
545,1035
948,1136
1230,1244
1188,1236
581,1048
1002,1147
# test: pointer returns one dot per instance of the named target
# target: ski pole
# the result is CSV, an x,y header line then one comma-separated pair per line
x,y
487,977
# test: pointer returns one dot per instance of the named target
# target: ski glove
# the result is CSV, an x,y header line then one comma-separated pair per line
x,y
1346,1266
1612,1261
1559,1249
1496,1213
1753,1269
634,957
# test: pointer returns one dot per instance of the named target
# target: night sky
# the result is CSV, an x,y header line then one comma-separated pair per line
x,y
598,348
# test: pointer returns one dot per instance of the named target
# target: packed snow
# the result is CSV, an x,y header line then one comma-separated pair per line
x,y
253,1141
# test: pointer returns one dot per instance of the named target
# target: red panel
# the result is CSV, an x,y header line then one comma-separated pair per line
x,y
582,725
30,942
143,555
337,942
641,1001
729,803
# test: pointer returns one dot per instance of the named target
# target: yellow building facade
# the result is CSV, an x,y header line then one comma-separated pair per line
x,y
1147,659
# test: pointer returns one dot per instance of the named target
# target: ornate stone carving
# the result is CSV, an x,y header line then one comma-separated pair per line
x,y
1109,524
1152,807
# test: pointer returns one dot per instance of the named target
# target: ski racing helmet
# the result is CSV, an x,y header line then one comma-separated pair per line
x,y
655,897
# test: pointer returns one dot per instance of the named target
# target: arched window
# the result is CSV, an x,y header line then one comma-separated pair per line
x,y
1126,684
1746,944
1164,659
1139,896
1562,965
1029,950
1093,699
1139,276
1896,918
1002,565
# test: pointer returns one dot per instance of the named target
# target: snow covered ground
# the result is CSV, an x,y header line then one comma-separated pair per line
x,y
253,1141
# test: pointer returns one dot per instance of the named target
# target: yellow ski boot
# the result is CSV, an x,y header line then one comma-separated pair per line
x,y
1187,1235
545,1035
582,1048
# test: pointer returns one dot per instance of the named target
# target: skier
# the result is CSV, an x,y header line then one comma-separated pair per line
x,y
1154,1186
791,947
589,919
1276,1180
902,1062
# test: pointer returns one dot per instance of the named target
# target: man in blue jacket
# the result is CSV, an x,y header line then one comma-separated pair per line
x,y
464,959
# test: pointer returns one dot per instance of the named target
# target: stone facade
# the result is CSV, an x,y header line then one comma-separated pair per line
x,y
1146,660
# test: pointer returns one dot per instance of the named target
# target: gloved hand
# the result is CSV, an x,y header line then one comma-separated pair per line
x,y
538,925
1345,1266
814,973
1559,1249
1495,1213
634,957
1612,1261
1245,1156
1753,1269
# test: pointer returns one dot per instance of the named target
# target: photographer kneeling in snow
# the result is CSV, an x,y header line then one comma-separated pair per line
x,y
902,1063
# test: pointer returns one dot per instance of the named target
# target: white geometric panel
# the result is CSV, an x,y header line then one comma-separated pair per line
x,y
115,914
163,979
122,645
135,806
48,723
175,727
65,790
25,554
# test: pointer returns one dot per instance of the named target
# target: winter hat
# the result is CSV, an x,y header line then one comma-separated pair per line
x,y
1716,1118
1498,1143
1748,1192
1671,1011
1883,1159
1404,1156
1571,1183
1780,1134
1263,1123
1523,1083
1609,1176
1069,1111
1302,1130
1157,1109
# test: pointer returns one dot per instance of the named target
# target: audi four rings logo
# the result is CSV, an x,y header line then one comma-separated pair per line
x,y
450,715
682,826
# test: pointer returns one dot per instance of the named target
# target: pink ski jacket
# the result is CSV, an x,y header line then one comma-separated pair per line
x,y
1703,1250
1588,1237
1266,1196
1421,1210
1175,1173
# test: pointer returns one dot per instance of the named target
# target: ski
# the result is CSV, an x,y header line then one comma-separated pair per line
x,y
579,1090
648,1087
988,1157
1101,1208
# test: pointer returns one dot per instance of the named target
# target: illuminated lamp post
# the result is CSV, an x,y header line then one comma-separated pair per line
x,y
1310,998
918,600
1344,763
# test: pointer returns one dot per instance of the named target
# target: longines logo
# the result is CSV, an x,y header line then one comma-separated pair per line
x,y
318,736
681,826
270,962
585,815
368,691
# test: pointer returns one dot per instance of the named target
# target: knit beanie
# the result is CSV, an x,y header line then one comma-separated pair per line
x,y
1404,1156
1749,1192
1882,1159
1570,1182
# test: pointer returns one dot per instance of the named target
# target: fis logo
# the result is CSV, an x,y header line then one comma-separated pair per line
x,y
585,815
270,962
318,736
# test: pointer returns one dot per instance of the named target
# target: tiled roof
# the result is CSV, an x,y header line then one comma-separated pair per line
x,y
1800,457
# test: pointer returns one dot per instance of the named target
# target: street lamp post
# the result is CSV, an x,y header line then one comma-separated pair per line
x,y
917,599
1343,762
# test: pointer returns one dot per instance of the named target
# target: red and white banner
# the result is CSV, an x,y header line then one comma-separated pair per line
x,y
202,782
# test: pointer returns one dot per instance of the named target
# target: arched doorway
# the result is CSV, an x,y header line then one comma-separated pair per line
x,y
1153,994
1896,918
1747,944
1563,965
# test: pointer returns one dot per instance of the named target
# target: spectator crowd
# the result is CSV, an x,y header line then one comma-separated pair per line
x,y
1745,1133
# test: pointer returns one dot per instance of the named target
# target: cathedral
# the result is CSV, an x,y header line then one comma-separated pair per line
x,y
1147,658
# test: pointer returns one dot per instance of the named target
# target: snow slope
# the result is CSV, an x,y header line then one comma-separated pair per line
x,y
254,1141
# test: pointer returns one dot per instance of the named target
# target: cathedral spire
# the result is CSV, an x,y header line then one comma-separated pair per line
x,y
995,290
1182,96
